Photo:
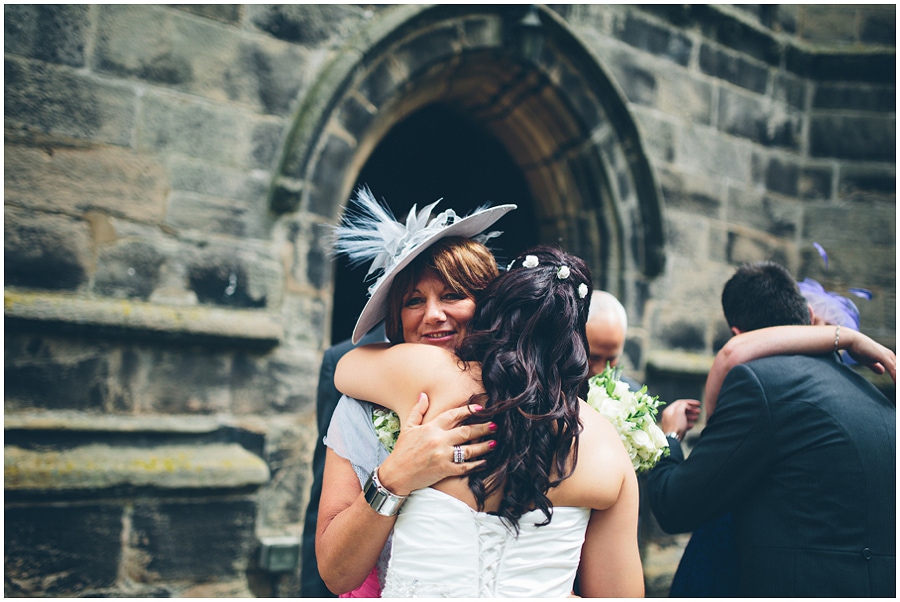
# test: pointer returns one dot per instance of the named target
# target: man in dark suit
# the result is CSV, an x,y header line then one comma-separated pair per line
x,y
801,451
327,397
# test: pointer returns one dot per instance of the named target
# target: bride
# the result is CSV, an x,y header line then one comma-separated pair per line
x,y
557,495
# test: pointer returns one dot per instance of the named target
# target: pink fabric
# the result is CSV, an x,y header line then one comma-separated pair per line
x,y
370,588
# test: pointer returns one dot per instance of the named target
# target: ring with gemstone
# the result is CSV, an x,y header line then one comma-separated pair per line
x,y
459,456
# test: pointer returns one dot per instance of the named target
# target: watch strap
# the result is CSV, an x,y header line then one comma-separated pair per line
x,y
380,498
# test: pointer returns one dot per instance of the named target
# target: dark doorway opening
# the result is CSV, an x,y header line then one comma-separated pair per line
x,y
438,153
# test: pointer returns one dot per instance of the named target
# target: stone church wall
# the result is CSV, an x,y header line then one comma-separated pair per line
x,y
168,292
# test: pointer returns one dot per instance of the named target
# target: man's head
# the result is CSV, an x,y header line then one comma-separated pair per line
x,y
606,328
763,294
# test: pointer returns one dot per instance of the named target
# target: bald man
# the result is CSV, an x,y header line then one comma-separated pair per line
x,y
606,328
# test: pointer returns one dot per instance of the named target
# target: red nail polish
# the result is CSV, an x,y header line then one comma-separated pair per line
x,y
492,426
492,444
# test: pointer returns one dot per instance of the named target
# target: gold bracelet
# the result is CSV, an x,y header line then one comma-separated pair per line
x,y
837,337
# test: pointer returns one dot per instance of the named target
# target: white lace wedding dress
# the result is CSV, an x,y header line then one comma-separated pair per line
x,y
444,549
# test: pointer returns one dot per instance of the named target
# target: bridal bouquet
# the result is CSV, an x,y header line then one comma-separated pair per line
x,y
387,426
632,413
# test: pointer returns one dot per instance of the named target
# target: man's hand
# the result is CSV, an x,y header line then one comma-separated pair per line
x,y
680,416
423,454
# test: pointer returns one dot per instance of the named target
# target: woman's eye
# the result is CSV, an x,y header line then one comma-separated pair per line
x,y
413,302
454,296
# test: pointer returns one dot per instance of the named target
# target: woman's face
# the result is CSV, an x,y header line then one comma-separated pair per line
x,y
435,314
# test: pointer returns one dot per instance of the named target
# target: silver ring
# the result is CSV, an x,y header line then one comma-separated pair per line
x,y
459,455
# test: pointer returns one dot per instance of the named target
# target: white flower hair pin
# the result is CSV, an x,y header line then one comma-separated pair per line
x,y
531,261
562,272
582,290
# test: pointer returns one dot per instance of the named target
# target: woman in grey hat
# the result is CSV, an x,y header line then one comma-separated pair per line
x,y
445,263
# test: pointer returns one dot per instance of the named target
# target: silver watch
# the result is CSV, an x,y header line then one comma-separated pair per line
x,y
674,435
380,499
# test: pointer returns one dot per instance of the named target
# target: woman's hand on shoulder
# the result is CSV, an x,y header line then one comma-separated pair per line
x,y
423,454
867,352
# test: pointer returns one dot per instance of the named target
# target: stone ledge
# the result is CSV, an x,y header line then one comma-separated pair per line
x,y
99,466
242,327
73,421
680,362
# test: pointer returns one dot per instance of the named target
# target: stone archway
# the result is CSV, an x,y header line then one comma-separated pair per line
x,y
559,116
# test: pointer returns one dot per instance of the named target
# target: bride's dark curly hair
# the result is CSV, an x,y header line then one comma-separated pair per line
x,y
528,332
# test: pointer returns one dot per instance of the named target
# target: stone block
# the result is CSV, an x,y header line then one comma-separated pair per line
x,y
483,32
684,96
61,550
73,180
215,215
861,236
687,236
128,270
234,277
137,41
782,176
46,32
759,120
776,216
692,193
855,97
306,24
200,57
582,97
701,150
354,116
217,199
328,177
733,68
45,251
743,248
815,183
831,25
48,99
186,381
638,84
273,75
266,141
868,183
226,13
856,137
200,541
421,52
790,90
56,384
784,17
875,66
879,28
214,134
740,35
658,136
661,41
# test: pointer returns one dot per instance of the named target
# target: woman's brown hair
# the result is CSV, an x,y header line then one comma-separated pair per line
x,y
465,265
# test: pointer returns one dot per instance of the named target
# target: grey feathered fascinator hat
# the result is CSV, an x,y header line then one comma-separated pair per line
x,y
369,231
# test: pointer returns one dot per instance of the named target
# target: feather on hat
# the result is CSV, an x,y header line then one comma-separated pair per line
x,y
369,231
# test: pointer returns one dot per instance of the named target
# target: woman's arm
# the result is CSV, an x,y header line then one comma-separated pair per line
x,y
780,340
422,456
349,533
610,558
392,376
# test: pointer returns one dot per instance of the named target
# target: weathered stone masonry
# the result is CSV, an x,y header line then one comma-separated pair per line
x,y
168,292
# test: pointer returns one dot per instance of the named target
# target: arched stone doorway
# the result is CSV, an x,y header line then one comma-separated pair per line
x,y
550,106
437,153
